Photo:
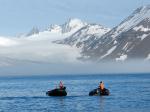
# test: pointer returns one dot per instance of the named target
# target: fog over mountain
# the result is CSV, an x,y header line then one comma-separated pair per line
x,y
79,47
129,40
42,47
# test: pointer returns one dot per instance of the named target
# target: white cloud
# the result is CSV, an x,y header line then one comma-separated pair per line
x,y
38,48
40,51
6,42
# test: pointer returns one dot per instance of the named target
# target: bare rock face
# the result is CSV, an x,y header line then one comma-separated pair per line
x,y
33,31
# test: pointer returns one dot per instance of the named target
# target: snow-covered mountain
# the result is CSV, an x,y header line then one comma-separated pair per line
x,y
56,32
130,39
72,25
33,31
85,35
37,46
55,29
79,40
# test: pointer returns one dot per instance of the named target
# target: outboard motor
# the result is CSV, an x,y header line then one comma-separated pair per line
x,y
94,92
97,92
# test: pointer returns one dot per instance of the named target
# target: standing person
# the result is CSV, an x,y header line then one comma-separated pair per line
x,y
101,86
61,86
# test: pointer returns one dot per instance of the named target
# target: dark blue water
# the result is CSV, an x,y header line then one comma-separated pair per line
x,y
129,93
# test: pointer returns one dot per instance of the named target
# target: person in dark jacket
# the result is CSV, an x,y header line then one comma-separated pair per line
x,y
101,86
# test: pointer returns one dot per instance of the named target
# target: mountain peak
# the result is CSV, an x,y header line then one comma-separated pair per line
x,y
73,25
135,18
147,7
130,39
33,31
142,10
55,29
75,21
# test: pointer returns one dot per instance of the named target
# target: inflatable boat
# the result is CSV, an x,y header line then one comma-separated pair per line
x,y
57,92
98,92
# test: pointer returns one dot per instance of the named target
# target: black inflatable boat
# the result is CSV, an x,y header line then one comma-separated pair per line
x,y
98,92
57,92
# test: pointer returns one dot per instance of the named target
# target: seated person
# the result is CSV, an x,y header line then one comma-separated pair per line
x,y
61,86
101,86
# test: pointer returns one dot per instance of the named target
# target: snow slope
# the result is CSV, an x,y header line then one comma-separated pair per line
x,y
136,17
56,32
85,35
131,38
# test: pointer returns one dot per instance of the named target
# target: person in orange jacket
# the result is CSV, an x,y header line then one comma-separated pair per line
x,y
101,86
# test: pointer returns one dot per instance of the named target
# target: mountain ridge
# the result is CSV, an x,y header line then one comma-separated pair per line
x,y
124,39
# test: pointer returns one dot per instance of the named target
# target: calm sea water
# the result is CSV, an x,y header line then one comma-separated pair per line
x,y
129,93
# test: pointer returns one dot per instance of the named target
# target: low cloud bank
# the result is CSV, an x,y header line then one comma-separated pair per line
x,y
23,56
75,69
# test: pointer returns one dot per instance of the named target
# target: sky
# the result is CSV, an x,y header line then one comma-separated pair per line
x,y
19,16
